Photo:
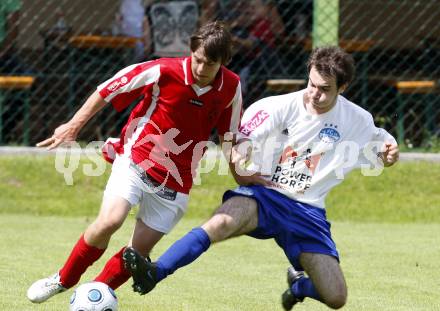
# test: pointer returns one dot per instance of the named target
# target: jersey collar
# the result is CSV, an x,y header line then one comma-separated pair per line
x,y
189,79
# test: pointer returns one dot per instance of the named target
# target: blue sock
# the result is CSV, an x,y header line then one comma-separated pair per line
x,y
305,288
182,252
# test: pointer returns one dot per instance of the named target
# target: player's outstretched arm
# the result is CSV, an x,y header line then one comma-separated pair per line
x,y
390,155
69,131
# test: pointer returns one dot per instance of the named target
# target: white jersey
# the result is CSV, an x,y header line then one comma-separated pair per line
x,y
305,154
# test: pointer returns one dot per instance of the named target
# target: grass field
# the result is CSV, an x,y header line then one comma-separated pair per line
x,y
386,229
407,192
387,267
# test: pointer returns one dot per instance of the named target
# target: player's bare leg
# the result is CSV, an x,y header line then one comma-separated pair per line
x,y
87,250
327,277
144,238
112,215
237,216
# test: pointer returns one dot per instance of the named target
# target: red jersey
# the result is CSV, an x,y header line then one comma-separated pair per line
x,y
167,131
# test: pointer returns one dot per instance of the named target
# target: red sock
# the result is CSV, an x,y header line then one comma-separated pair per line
x,y
114,273
81,257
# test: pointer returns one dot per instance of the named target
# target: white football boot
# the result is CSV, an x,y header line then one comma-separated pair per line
x,y
43,289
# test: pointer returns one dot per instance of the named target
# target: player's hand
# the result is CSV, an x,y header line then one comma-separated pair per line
x,y
240,153
64,133
247,178
390,155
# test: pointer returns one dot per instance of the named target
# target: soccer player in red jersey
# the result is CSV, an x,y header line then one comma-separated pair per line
x,y
182,100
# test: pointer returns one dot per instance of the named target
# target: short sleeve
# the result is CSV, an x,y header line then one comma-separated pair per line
x,y
129,83
229,120
261,119
372,140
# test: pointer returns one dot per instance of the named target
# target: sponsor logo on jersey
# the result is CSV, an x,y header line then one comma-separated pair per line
x,y
196,102
287,154
117,84
329,134
253,123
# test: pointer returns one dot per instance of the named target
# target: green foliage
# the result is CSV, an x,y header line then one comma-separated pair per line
x,y
431,142
406,192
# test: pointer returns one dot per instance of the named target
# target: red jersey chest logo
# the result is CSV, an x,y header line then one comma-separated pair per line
x,y
196,102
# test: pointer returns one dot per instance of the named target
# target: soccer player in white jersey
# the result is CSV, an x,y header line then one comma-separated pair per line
x,y
181,101
306,142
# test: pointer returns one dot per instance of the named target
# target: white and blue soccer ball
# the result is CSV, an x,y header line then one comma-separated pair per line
x,y
93,296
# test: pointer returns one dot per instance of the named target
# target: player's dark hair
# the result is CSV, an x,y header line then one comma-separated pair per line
x,y
216,40
332,61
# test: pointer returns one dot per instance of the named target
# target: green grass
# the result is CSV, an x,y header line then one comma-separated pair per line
x,y
407,192
386,229
387,267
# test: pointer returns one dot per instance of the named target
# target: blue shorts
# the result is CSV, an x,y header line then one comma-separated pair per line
x,y
296,227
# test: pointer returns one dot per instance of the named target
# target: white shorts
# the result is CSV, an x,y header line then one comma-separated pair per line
x,y
159,208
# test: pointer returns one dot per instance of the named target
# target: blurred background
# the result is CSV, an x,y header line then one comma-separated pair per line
x,y
53,54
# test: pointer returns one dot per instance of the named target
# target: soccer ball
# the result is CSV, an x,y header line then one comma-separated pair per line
x,y
93,296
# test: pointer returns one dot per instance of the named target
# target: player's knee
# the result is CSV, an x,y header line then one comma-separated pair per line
x,y
108,225
222,222
231,218
336,300
219,227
